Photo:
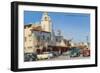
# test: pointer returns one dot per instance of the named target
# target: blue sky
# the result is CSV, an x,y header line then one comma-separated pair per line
x,y
72,25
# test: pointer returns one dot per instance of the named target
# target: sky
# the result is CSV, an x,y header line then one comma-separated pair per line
x,y
74,26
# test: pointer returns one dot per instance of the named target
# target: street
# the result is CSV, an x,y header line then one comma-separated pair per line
x,y
67,58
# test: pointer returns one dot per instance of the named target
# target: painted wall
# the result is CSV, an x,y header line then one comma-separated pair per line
x,y
5,36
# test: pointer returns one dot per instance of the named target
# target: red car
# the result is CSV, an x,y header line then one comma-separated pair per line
x,y
86,52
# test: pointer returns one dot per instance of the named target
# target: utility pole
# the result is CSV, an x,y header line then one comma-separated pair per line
x,y
87,39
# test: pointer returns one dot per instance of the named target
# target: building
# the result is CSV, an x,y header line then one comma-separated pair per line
x,y
46,23
41,35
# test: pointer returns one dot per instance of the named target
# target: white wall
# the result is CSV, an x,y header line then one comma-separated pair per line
x,y
5,35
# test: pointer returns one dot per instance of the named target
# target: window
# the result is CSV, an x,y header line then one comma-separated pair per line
x,y
48,38
29,47
25,39
43,37
29,35
46,18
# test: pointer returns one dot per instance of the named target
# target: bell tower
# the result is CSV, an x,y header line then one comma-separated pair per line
x,y
46,23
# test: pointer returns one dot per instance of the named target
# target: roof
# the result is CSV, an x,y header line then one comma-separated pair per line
x,y
38,28
29,25
35,28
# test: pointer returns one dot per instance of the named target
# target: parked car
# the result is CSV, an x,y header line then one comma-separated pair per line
x,y
30,57
67,53
55,53
73,52
50,54
42,56
86,52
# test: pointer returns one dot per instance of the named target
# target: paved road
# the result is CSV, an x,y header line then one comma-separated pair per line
x,y
67,58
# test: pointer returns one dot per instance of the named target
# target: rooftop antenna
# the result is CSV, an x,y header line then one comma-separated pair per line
x,y
87,39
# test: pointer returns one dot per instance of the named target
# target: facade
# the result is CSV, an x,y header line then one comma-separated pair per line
x,y
37,36
28,40
42,35
42,39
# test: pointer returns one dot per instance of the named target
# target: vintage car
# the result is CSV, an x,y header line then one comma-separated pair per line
x,y
66,53
30,57
55,53
50,54
72,52
42,56
86,52
47,55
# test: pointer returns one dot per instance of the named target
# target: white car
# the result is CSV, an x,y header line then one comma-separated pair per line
x,y
42,56
50,55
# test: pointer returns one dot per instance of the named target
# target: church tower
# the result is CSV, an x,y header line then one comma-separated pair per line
x,y
46,22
